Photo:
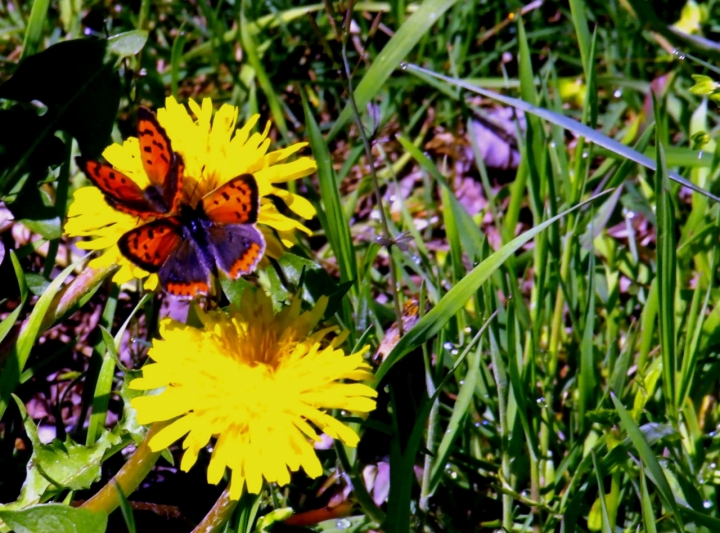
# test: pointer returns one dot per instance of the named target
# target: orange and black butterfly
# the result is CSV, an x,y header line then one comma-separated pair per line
x,y
184,245
187,249
163,167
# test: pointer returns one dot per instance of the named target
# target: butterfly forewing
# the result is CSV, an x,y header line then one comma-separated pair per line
x,y
121,192
155,148
237,248
184,274
235,202
150,245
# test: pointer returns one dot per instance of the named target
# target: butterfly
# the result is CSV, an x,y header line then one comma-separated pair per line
x,y
188,248
164,169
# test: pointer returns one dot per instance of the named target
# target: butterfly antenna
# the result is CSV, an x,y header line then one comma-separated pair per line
x,y
197,183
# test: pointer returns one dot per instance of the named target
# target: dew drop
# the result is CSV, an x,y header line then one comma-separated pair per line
x,y
454,352
403,65
448,345
618,93
87,31
462,382
700,154
585,155
542,402
468,330
453,475
552,144
343,524
142,72
707,504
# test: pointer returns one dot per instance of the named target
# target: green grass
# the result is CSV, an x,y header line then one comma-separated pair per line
x,y
563,372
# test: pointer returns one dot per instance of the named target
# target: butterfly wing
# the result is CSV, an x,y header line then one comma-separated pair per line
x,y
235,202
155,148
121,192
237,248
184,274
151,245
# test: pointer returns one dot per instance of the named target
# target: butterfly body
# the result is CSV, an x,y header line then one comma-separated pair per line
x,y
188,248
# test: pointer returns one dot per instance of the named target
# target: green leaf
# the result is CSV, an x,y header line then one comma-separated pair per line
x,y
389,58
55,518
36,283
59,465
233,289
430,324
569,124
128,43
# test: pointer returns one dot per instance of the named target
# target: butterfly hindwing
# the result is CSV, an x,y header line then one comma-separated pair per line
x,y
184,274
155,148
235,202
237,248
149,246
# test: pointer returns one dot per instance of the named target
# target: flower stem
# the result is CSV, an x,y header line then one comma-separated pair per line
x,y
129,477
218,515
376,185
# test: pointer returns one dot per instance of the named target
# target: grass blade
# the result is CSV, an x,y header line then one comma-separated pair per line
x,y
666,274
250,48
33,31
337,227
571,125
430,324
654,470
391,55
10,376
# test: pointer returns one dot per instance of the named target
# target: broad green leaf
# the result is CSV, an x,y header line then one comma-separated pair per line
x,y
55,518
128,43
59,465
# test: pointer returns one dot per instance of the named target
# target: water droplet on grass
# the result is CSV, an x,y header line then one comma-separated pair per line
x,y
343,524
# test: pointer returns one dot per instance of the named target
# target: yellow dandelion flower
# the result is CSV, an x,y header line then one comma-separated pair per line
x,y
259,383
213,152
